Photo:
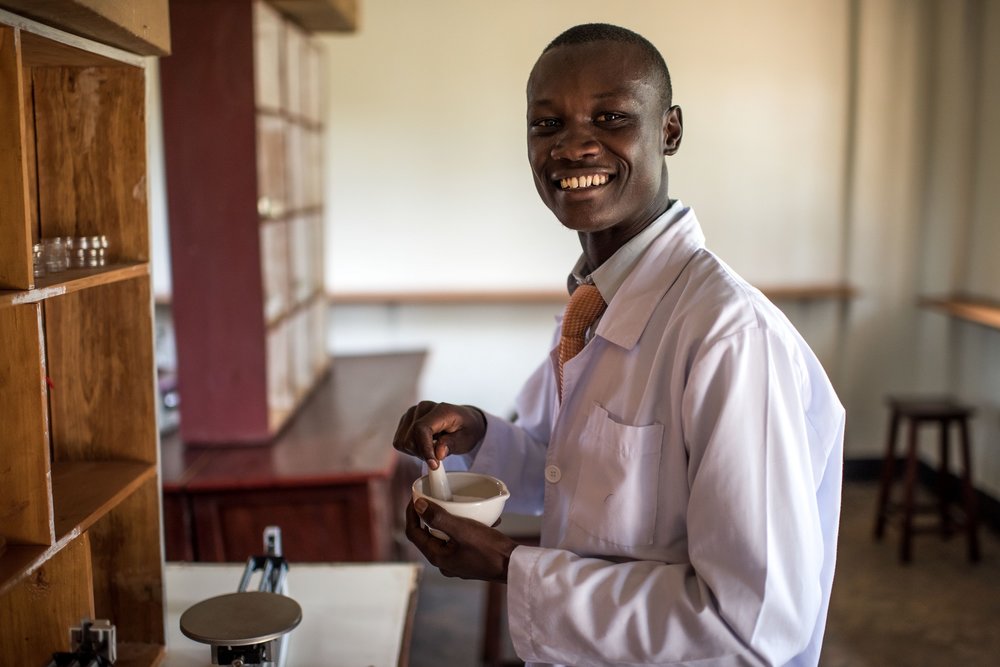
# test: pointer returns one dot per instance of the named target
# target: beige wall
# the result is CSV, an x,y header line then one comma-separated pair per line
x,y
799,171
924,215
427,138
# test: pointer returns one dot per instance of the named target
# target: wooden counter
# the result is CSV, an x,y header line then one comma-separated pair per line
x,y
329,480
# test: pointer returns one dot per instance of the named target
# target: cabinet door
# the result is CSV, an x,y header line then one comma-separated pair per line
x,y
312,167
280,394
296,170
352,517
312,81
317,336
268,54
274,265
272,193
303,270
294,37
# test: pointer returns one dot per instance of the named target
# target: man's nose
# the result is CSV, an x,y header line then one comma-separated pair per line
x,y
575,142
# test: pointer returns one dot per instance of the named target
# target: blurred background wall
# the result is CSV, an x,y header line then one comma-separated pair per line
x,y
844,142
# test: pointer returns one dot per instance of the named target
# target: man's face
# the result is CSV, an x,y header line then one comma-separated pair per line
x,y
597,134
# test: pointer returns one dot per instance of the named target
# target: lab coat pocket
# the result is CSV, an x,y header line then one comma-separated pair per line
x,y
616,496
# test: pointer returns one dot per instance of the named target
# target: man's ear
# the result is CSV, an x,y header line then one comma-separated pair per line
x,y
673,129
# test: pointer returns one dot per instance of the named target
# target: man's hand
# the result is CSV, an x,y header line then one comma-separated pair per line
x,y
474,551
431,431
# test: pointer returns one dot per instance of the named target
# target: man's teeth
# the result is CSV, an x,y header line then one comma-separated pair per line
x,y
576,182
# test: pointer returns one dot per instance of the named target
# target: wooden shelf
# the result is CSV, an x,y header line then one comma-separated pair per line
x,y
321,15
73,280
43,46
818,292
139,655
78,482
20,560
139,27
964,307
83,492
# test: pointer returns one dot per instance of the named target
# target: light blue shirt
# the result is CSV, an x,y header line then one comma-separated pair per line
x,y
610,275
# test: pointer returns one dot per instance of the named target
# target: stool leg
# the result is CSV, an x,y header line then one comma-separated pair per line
x,y
969,494
492,617
910,484
943,481
885,484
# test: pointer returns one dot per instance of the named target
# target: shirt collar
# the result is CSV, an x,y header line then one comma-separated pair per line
x,y
654,273
610,275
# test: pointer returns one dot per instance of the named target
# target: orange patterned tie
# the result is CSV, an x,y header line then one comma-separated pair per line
x,y
585,304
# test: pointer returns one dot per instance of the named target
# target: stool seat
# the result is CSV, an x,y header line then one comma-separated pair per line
x,y
917,411
929,407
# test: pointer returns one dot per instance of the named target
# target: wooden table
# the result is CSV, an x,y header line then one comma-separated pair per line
x,y
352,615
331,481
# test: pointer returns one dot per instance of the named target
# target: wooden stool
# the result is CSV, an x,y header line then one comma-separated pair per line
x,y
919,411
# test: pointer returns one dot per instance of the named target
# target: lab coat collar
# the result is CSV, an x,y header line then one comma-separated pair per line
x,y
652,277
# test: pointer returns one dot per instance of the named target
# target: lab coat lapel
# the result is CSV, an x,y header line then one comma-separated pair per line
x,y
656,272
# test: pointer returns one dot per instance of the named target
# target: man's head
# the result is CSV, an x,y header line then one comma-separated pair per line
x,y
604,32
599,124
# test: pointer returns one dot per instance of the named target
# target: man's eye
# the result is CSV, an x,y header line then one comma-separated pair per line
x,y
545,123
609,116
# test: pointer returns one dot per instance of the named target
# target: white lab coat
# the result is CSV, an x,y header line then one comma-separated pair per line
x,y
689,481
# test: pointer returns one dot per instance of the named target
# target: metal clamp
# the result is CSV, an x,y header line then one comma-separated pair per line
x,y
92,644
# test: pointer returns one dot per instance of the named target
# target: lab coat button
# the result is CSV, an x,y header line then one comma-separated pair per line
x,y
553,473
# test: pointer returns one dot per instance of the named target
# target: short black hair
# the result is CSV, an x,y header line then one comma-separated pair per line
x,y
605,32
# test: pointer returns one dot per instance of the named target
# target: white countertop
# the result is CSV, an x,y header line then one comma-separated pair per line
x,y
353,615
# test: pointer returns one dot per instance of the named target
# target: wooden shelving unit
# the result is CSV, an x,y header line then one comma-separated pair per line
x,y
971,309
243,135
813,292
79,484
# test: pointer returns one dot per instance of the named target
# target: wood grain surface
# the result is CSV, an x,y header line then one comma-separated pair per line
x,y
25,510
128,575
39,611
100,361
91,142
84,492
15,250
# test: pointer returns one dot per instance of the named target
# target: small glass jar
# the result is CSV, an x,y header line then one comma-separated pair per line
x,y
90,251
38,259
78,254
56,253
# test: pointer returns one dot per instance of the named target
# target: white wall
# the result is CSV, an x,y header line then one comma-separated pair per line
x,y
428,189
923,216
428,184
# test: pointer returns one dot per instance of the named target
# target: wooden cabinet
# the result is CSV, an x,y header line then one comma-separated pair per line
x,y
79,486
242,135
331,480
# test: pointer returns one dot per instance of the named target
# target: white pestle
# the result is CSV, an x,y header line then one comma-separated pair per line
x,y
438,483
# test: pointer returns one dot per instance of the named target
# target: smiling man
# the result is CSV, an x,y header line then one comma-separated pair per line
x,y
682,442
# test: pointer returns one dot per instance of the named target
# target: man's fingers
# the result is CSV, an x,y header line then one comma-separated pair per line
x,y
399,441
428,545
437,517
